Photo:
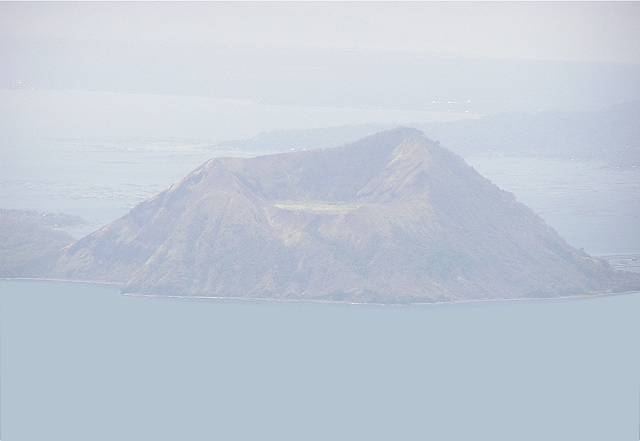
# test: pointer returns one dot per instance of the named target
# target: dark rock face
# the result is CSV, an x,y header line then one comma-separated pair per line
x,y
393,218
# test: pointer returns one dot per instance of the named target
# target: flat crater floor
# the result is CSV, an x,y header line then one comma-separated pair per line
x,y
319,207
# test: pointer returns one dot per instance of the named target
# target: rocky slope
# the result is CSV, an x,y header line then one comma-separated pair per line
x,y
393,218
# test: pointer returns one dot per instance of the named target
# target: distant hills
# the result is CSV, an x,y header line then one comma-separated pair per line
x,y
391,218
610,135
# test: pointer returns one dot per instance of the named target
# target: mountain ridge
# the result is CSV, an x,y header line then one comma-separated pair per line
x,y
392,218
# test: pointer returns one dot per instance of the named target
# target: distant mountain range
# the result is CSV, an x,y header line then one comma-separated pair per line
x,y
610,135
392,218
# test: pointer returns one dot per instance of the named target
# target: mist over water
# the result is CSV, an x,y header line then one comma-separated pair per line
x,y
97,114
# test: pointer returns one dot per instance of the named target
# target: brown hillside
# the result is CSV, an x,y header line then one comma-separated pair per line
x,y
392,218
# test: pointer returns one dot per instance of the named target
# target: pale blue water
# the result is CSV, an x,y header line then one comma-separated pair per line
x,y
82,362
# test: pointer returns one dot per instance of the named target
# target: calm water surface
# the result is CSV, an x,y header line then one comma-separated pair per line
x,y
83,362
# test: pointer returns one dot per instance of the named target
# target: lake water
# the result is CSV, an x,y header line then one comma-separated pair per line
x,y
83,362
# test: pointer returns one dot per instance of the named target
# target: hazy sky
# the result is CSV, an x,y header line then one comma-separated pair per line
x,y
579,31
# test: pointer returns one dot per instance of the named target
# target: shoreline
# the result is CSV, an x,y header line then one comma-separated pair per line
x,y
326,302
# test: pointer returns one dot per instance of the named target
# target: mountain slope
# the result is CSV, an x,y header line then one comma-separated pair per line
x,y
391,218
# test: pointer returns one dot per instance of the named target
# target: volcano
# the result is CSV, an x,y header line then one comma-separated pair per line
x,y
392,218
